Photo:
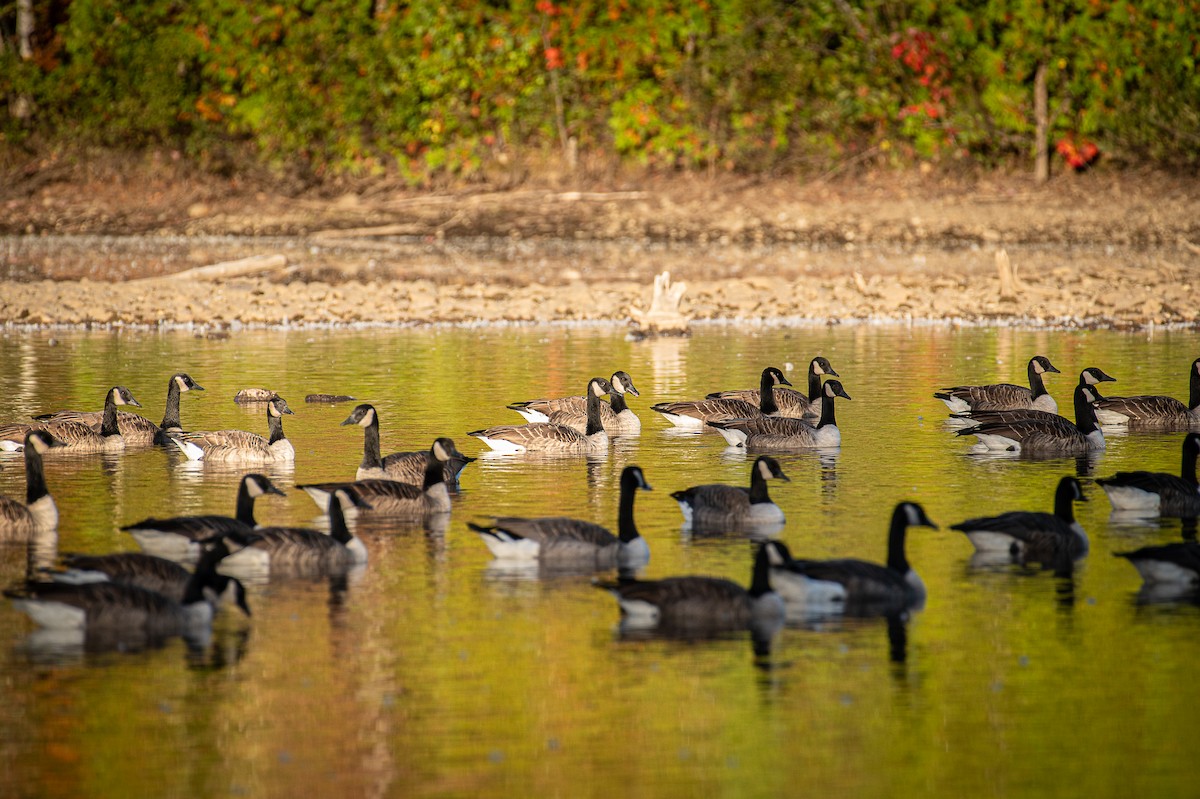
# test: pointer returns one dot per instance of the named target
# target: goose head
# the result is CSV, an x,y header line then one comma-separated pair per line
x,y
599,386
632,476
778,553
769,468
914,515
363,415
820,366
1040,364
833,388
774,377
622,383
350,499
122,396
1093,375
185,382
41,442
259,484
278,407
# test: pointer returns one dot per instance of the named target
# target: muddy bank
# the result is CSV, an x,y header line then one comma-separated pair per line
x,y
1091,250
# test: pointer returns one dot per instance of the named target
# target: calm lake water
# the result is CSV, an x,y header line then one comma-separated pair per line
x,y
434,672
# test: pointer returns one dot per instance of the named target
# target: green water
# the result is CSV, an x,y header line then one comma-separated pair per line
x,y
436,673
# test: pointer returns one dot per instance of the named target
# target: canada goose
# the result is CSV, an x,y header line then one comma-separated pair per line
x,y
299,552
852,586
136,429
616,416
791,403
1028,536
779,433
118,611
1176,564
1004,396
178,538
78,436
166,577
391,497
700,603
561,538
1044,435
239,446
693,414
718,506
1088,377
407,467
553,438
1154,412
1157,492
38,514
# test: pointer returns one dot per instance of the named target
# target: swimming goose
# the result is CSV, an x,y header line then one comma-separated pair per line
x,y
1028,536
1004,396
791,403
300,552
391,497
693,414
239,446
1176,564
38,514
616,415
780,433
563,539
848,585
166,577
1154,412
407,467
700,603
1052,435
78,436
125,612
178,538
550,438
136,429
1158,493
717,506
1088,377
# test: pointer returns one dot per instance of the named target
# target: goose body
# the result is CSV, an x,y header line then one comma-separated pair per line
x,y
1033,536
121,612
694,414
300,552
849,585
1176,564
1004,396
78,436
717,506
136,429
711,604
391,497
179,538
1050,435
779,433
549,438
561,539
616,416
1090,377
239,446
792,404
406,467
1158,493
20,521
1154,412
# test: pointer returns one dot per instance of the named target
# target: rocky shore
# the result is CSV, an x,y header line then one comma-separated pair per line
x,y
1090,251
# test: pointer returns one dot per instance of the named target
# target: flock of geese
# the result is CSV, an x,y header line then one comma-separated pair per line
x,y
150,595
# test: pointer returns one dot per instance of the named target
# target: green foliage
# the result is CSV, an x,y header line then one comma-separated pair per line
x,y
430,88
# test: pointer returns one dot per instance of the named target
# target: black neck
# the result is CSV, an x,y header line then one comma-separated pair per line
x,y
594,425
758,486
827,416
171,414
1194,386
372,459
618,403
1036,385
897,561
434,471
1085,414
245,505
1064,501
108,423
814,384
35,476
1187,471
761,582
766,394
626,526
275,425
337,522
205,573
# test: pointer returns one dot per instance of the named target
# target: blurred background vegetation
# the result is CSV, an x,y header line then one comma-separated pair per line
x,y
463,90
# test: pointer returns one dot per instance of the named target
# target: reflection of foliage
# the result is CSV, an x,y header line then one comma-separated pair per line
x,y
426,88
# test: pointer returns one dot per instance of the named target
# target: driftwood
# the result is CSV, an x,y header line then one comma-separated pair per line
x,y
251,395
663,317
255,264
1010,284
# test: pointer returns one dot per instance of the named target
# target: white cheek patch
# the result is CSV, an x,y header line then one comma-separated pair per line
x,y
618,386
273,410
368,418
439,452
597,390
817,370
254,489
764,470
179,381
910,511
